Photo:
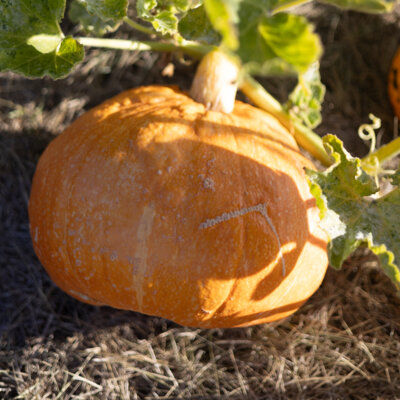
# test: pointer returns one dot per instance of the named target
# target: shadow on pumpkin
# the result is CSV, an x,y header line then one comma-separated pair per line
x,y
173,118
245,320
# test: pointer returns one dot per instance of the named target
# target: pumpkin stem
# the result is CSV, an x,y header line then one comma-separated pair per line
x,y
216,82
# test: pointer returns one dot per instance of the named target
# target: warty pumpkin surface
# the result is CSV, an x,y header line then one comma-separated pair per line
x,y
150,202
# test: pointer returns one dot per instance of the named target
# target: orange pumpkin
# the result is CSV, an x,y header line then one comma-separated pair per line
x,y
154,203
394,83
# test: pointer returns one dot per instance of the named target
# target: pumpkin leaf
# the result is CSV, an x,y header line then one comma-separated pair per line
x,y
306,99
279,43
107,9
267,43
351,212
164,15
90,23
224,17
31,41
45,43
371,6
196,26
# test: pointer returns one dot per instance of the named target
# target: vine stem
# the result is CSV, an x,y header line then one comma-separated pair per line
x,y
383,154
304,136
289,4
193,49
139,27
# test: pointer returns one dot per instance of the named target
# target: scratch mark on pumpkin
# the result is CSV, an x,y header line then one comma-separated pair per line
x,y
143,234
262,209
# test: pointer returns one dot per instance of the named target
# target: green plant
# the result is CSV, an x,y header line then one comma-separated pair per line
x,y
264,38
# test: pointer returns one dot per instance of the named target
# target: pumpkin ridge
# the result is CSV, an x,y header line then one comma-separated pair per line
x,y
144,231
46,221
86,150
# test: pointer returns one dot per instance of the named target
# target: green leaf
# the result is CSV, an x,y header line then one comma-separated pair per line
x,y
31,41
283,5
268,43
144,7
370,6
223,15
291,38
306,99
90,23
107,9
164,15
395,178
45,43
196,26
281,43
353,215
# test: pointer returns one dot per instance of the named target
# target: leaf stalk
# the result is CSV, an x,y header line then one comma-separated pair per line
x,y
304,136
284,6
139,27
194,49
383,154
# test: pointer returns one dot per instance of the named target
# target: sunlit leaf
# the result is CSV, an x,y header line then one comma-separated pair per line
x,y
306,99
164,15
351,213
45,43
31,41
275,44
223,15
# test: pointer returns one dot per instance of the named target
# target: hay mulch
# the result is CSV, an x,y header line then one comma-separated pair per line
x,y
343,344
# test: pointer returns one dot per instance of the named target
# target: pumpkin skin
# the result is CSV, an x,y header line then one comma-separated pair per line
x,y
149,202
394,83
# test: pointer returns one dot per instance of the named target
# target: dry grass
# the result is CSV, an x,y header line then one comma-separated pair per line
x,y
343,344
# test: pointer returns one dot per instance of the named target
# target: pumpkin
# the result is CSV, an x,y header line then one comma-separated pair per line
x,y
154,203
394,83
